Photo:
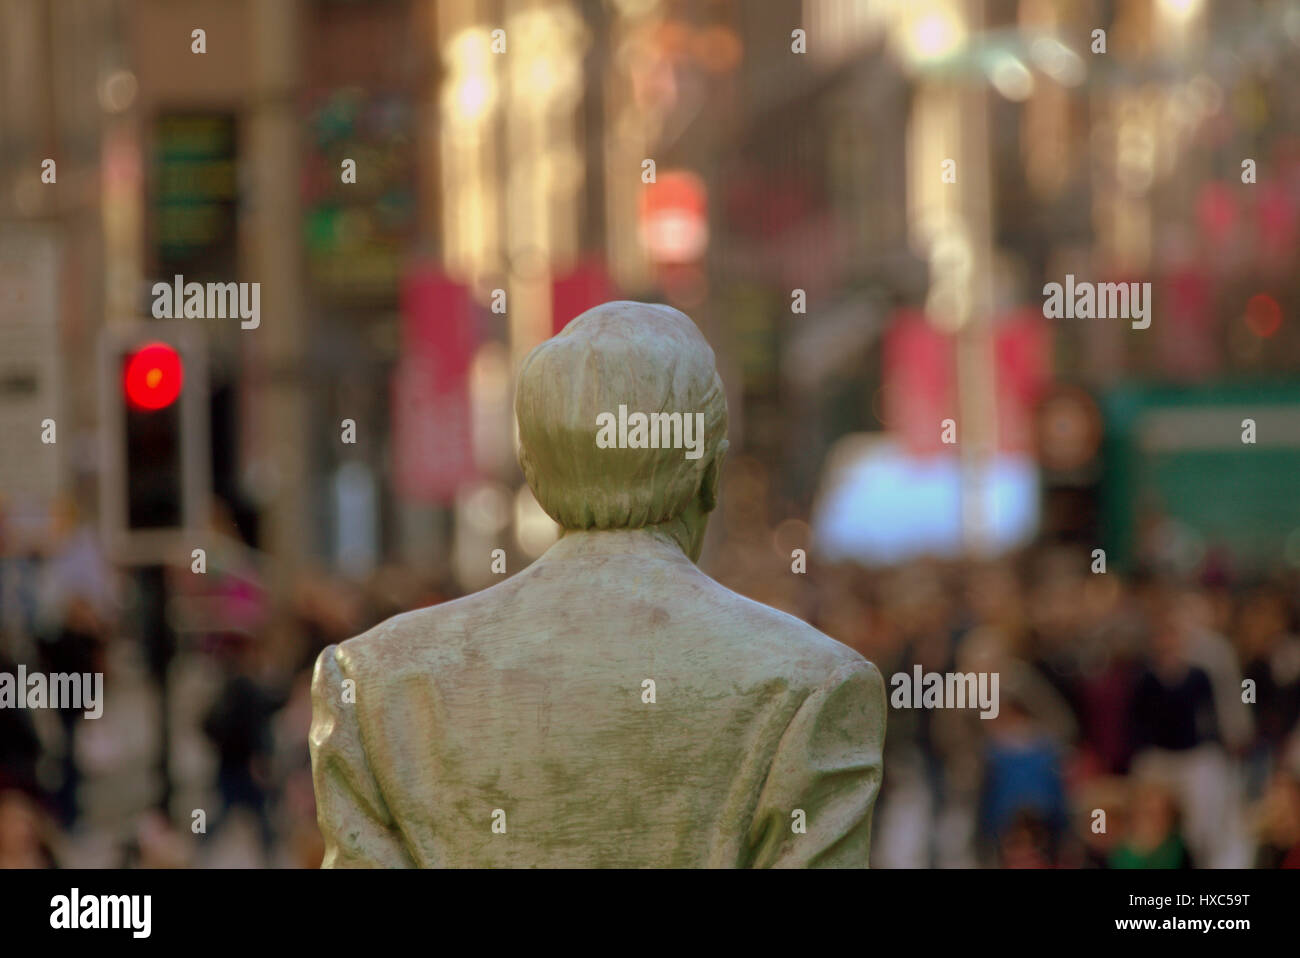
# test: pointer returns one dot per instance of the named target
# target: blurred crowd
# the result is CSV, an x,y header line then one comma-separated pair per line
x,y
1145,720
232,676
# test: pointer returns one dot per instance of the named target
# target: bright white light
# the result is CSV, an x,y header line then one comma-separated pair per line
x,y
472,98
932,35
1058,61
487,507
881,505
117,91
469,93
1012,79
675,236
1180,10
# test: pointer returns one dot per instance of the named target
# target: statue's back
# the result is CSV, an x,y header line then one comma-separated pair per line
x,y
610,706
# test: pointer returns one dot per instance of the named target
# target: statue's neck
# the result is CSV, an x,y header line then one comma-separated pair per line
x,y
663,541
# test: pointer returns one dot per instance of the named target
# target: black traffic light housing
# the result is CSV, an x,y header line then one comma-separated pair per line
x,y
155,479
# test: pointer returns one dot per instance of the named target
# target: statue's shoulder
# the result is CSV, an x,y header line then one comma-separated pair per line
x,y
775,640
396,640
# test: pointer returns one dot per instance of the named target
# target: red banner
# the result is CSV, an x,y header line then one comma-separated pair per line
x,y
433,450
577,291
920,380
437,322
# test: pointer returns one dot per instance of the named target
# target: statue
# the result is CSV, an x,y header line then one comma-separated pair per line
x,y
609,705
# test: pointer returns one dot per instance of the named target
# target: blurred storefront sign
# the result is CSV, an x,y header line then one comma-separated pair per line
x,y
920,384
1022,351
437,322
195,191
1176,459
433,451
357,231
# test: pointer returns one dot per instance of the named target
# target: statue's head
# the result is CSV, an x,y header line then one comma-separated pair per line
x,y
655,462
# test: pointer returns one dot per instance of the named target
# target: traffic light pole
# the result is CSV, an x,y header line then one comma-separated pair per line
x,y
159,645
155,481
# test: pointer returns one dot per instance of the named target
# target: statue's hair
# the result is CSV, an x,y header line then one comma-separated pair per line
x,y
648,357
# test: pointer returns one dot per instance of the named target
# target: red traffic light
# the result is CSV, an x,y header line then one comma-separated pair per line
x,y
153,377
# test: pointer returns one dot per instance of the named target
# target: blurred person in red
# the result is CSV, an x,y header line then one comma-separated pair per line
x,y
1027,843
25,833
1278,822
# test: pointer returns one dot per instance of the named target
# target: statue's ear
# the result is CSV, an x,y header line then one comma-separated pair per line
x,y
713,478
525,464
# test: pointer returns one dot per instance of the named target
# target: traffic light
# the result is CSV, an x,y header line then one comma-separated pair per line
x,y
156,479
152,377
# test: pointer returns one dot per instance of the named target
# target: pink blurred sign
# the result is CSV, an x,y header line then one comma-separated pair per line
x,y
432,444
920,380
432,440
1022,345
437,324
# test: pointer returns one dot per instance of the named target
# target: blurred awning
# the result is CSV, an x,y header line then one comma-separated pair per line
x,y
833,341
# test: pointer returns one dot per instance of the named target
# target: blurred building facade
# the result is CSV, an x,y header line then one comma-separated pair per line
x,y
797,209
860,203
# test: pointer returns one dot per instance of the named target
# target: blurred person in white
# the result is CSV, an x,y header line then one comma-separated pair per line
x,y
1178,735
76,613
1214,653
77,570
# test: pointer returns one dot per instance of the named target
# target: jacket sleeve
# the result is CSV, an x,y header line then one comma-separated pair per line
x,y
354,820
828,767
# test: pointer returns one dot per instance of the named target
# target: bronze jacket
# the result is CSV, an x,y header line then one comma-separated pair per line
x,y
608,706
